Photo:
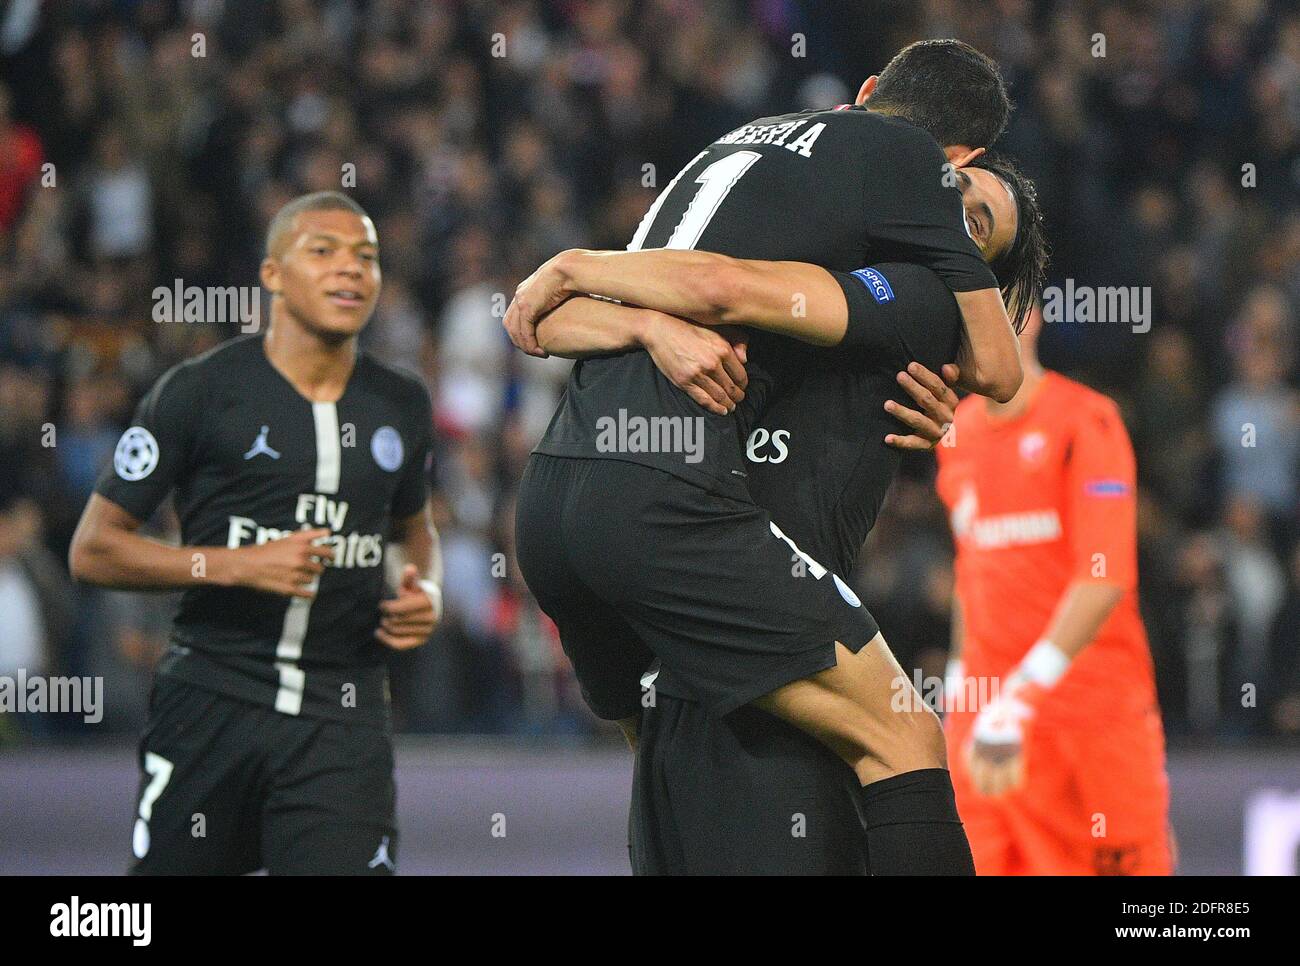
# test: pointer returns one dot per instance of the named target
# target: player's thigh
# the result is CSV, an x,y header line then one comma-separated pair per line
x,y
201,786
331,808
542,491
867,710
607,655
732,610
871,679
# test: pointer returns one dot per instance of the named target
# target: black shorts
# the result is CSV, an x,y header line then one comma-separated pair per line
x,y
745,794
231,787
633,563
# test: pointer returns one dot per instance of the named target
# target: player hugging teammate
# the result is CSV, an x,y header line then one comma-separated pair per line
x,y
704,582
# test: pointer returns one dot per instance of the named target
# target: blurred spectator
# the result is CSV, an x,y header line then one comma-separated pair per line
x,y
20,162
27,636
1257,416
119,200
1206,626
86,438
1169,431
1257,583
36,600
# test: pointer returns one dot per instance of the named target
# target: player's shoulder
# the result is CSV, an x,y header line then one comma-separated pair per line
x,y
919,282
190,376
401,387
182,392
1082,403
231,355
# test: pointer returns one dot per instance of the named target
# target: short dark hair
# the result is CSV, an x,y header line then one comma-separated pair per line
x,y
316,201
948,88
1021,269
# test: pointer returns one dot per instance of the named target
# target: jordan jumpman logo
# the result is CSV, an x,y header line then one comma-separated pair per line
x,y
261,447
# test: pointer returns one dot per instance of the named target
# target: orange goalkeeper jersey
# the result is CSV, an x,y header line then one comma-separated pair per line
x,y
1036,501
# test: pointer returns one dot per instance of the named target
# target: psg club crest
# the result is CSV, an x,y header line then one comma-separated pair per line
x,y
386,448
136,454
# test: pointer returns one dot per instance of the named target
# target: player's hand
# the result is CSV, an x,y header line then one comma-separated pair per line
x,y
407,620
996,752
534,297
995,769
289,566
938,405
706,364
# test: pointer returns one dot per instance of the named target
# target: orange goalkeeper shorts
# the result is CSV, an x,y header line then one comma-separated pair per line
x,y
1095,801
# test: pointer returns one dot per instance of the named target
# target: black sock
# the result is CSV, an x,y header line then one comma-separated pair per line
x,y
912,825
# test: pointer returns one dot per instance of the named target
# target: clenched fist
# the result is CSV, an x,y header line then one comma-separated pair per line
x,y
408,619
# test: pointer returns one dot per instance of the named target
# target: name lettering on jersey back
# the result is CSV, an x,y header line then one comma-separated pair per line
x,y
1016,529
351,550
777,134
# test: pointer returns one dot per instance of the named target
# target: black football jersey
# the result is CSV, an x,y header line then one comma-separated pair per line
x,y
250,459
817,457
841,189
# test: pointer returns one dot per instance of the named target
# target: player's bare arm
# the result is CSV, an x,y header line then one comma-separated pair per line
x,y
990,353
794,299
786,298
407,620
107,550
582,327
1083,608
706,364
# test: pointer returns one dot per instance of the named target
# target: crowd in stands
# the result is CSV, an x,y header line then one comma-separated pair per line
x,y
148,141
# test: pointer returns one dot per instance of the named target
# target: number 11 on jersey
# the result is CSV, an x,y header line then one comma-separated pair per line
x,y
715,181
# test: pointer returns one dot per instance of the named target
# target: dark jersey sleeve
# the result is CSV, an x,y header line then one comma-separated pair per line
x,y
413,488
900,310
155,451
914,216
